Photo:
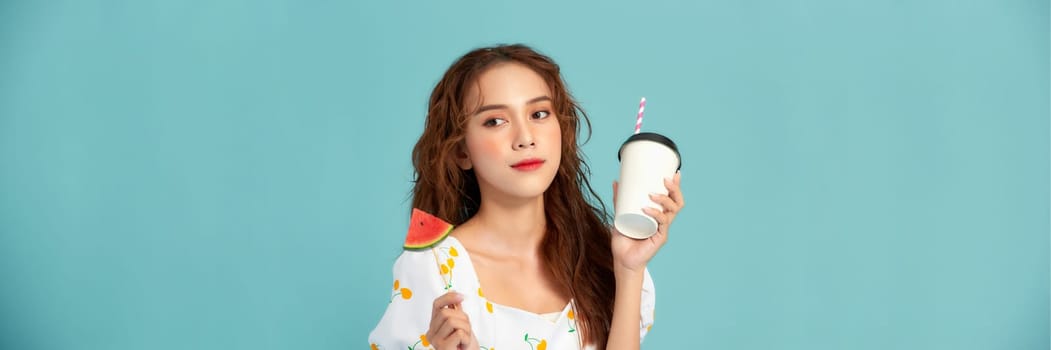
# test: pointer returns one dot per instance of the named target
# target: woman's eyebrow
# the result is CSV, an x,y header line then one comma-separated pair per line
x,y
539,99
493,107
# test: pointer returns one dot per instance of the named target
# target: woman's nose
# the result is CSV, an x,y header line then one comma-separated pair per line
x,y
525,138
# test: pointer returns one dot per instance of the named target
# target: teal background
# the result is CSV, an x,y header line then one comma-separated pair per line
x,y
233,174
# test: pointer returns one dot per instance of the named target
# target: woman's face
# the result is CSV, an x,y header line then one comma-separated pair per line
x,y
513,142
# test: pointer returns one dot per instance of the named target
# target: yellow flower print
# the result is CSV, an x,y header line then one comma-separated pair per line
x,y
570,316
423,342
653,315
540,345
488,305
448,265
453,252
405,293
445,267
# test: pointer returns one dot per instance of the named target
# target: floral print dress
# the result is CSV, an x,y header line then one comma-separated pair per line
x,y
420,276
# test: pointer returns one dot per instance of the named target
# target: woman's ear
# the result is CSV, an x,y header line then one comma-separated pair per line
x,y
463,160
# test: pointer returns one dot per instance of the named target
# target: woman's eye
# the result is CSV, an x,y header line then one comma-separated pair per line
x,y
541,114
494,122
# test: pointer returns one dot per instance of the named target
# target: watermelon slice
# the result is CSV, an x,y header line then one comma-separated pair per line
x,y
425,230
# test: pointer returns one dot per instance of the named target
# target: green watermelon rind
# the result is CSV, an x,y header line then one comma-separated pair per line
x,y
419,215
431,244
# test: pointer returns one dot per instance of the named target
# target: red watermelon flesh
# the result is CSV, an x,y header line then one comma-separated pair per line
x,y
425,230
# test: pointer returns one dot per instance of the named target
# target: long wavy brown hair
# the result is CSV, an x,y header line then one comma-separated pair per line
x,y
576,245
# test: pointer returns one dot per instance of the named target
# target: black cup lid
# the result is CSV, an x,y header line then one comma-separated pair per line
x,y
655,137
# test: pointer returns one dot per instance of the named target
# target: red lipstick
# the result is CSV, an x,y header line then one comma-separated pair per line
x,y
528,164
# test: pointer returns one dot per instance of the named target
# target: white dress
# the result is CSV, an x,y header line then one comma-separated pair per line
x,y
420,276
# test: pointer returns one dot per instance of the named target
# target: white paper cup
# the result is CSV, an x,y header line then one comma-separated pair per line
x,y
646,159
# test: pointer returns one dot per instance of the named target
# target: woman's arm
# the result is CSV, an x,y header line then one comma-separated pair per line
x,y
630,257
624,330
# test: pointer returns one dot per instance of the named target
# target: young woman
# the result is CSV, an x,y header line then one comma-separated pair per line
x,y
531,263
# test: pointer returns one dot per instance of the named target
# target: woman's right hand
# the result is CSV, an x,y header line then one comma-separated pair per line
x,y
450,328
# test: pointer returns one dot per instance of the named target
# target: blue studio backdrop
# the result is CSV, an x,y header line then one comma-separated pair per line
x,y
233,174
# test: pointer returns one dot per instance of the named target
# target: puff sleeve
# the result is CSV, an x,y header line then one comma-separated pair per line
x,y
649,301
417,282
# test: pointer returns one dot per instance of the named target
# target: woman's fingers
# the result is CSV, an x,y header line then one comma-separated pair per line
x,y
461,339
675,190
662,219
454,321
450,327
445,316
669,205
448,320
674,200
449,299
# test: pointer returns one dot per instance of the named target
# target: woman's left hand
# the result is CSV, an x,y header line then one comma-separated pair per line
x,y
633,254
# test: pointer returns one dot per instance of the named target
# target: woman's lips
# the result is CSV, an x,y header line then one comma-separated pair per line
x,y
528,164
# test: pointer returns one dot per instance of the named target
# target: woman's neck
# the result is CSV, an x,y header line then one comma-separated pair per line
x,y
508,228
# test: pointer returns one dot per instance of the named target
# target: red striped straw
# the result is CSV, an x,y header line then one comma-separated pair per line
x,y
638,121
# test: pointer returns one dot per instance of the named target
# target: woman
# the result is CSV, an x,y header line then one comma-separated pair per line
x,y
531,260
